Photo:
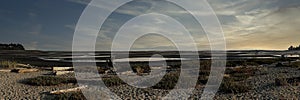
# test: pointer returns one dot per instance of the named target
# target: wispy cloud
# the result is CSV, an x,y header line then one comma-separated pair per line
x,y
32,45
31,14
36,29
248,24
72,27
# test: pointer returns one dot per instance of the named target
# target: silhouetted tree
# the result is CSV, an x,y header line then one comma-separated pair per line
x,y
294,48
11,47
291,48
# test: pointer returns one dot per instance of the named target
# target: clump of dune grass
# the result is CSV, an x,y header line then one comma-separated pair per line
x,y
66,96
241,73
295,81
102,70
113,81
235,82
231,86
281,82
8,64
140,69
169,81
296,64
49,81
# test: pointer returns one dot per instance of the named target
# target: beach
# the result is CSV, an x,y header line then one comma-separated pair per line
x,y
264,87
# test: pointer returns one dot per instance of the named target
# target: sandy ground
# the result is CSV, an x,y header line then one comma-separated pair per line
x,y
12,88
265,88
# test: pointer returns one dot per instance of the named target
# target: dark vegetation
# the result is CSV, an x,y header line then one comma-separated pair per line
x,y
11,47
254,62
101,70
235,83
289,64
49,81
241,73
295,64
281,82
66,96
168,81
8,64
295,81
231,86
294,48
113,81
54,80
139,69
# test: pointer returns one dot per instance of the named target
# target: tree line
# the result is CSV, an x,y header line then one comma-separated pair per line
x,y
294,48
11,46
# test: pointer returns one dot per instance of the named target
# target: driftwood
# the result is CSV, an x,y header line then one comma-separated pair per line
x,y
24,70
46,68
62,72
226,76
5,70
24,65
62,68
68,90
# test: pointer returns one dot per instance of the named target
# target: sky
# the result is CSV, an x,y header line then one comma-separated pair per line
x,y
247,24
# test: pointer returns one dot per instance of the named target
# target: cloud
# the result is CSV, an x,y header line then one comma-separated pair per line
x,y
142,7
72,27
153,42
274,30
247,24
31,14
245,19
256,24
32,45
36,29
133,9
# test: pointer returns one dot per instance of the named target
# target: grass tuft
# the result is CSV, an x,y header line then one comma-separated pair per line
x,y
8,64
70,96
49,81
169,81
230,86
113,81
